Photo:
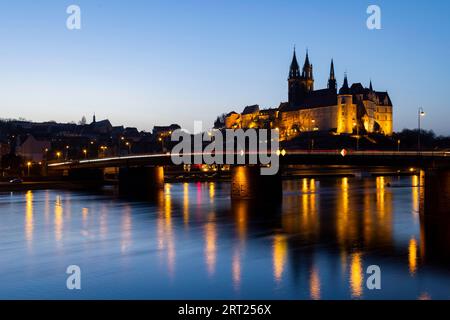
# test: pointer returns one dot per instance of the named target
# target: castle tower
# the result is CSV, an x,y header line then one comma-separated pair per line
x,y
294,83
347,112
332,84
345,89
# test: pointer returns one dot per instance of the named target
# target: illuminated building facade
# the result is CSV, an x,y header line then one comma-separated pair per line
x,y
350,110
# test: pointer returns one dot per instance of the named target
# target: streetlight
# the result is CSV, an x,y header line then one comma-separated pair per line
x,y
29,166
420,114
103,150
58,155
129,147
160,139
85,153
398,145
46,154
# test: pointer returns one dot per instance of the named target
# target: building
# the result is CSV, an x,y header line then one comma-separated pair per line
x,y
165,131
32,149
350,110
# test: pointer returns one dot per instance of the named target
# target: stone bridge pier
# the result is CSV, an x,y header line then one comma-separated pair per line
x,y
141,181
437,192
436,214
247,183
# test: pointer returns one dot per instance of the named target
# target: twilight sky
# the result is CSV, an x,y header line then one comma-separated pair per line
x,y
146,63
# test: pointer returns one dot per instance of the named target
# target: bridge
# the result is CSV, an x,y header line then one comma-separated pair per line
x,y
143,173
425,159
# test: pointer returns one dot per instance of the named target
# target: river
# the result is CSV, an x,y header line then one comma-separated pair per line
x,y
192,242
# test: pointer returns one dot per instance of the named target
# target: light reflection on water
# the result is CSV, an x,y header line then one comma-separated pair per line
x,y
192,241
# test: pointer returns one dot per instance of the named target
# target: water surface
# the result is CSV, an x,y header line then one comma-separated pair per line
x,y
193,242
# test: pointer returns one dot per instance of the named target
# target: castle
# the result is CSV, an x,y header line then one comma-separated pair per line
x,y
351,110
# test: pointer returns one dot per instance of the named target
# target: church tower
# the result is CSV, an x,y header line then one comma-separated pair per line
x,y
307,75
295,83
332,84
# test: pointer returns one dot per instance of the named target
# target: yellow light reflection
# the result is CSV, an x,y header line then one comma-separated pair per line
x,y
345,194
103,222
412,256
169,230
186,204
280,248
165,235
236,269
210,247
47,207
345,227
309,222
168,205
314,284
58,218
305,185
212,191
29,220
384,209
368,221
241,220
126,227
356,275
415,196
380,195
84,214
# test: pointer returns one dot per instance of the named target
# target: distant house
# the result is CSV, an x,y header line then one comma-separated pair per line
x,y
4,148
117,131
131,132
101,127
165,131
32,149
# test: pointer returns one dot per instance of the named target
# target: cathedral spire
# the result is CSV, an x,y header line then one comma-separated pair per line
x,y
307,68
332,77
332,84
307,59
294,71
370,86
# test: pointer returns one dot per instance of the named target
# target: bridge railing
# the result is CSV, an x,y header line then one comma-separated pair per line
x,y
371,153
340,153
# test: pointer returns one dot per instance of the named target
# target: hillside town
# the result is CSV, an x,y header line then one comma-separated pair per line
x,y
26,146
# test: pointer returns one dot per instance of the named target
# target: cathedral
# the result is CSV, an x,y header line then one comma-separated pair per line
x,y
350,110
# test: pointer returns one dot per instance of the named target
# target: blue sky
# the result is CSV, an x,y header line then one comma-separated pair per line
x,y
146,63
